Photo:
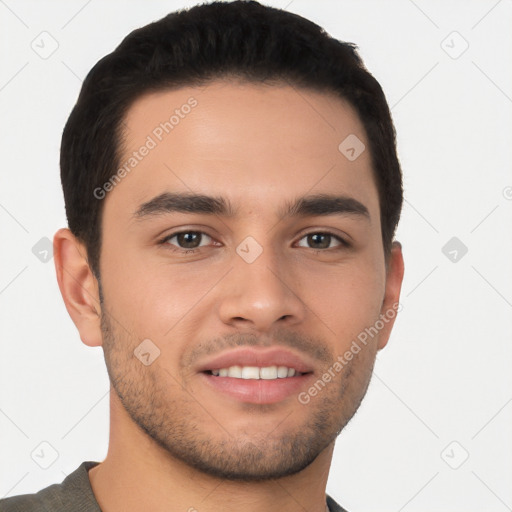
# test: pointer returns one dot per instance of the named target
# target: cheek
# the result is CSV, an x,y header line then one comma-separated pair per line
x,y
347,299
154,299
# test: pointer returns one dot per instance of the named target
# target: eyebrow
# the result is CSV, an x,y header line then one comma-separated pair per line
x,y
307,206
185,203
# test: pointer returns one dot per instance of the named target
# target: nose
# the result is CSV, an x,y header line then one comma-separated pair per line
x,y
261,295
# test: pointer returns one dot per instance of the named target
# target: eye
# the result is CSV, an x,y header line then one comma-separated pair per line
x,y
322,240
187,240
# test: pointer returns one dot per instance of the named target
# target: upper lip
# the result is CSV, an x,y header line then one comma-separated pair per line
x,y
257,357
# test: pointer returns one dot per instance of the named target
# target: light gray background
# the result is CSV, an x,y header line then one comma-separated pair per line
x,y
442,388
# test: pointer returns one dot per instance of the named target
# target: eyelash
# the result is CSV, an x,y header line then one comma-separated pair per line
x,y
164,241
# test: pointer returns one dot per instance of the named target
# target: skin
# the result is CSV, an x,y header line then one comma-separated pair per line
x,y
176,443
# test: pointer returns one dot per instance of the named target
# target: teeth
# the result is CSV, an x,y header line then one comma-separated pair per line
x,y
255,372
269,372
235,371
282,372
249,372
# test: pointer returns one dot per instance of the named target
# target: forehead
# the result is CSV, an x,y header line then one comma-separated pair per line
x,y
247,142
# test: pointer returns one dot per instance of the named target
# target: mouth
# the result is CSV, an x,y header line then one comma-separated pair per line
x,y
257,376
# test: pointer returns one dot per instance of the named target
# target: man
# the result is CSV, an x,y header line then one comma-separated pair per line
x,y
232,191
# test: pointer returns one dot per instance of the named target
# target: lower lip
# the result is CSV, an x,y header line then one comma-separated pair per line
x,y
258,391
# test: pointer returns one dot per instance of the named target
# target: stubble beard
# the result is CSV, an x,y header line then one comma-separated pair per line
x,y
195,433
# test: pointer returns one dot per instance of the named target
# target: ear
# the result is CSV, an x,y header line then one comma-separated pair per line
x,y
78,286
390,304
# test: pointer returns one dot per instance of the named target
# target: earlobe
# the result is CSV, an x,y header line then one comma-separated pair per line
x,y
390,304
78,286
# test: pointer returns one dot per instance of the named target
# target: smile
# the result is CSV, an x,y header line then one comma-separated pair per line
x,y
255,372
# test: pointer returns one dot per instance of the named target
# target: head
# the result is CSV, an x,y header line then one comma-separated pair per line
x,y
231,183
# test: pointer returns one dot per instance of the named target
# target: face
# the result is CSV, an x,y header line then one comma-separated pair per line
x,y
241,259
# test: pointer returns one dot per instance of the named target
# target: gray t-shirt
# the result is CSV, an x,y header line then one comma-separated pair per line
x,y
74,494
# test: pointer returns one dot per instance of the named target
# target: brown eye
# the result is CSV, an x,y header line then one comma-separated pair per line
x,y
322,240
187,239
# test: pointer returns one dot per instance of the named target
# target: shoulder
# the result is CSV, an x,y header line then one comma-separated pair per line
x,y
74,493
333,506
21,503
